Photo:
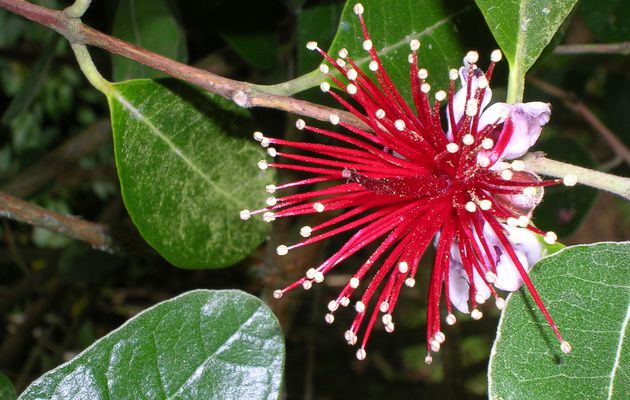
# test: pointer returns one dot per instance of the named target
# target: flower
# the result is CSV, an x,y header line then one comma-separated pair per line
x,y
397,178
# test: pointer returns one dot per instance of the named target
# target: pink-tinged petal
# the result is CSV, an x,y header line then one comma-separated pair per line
x,y
458,290
495,114
528,120
508,277
527,243
459,99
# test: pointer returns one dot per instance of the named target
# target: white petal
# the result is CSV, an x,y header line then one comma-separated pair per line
x,y
459,98
493,115
529,244
481,286
458,288
508,277
528,119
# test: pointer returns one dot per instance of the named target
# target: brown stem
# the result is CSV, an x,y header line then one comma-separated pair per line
x,y
242,93
23,211
594,48
571,102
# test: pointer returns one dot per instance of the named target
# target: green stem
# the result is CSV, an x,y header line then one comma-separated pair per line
x,y
77,9
89,69
537,163
294,86
516,86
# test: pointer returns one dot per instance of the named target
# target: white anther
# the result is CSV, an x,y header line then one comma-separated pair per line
x,y
483,161
271,201
440,337
354,282
272,152
333,305
487,143
351,89
343,53
479,298
380,113
523,221
472,107
319,207
312,45
352,74
410,58
307,285
344,301
310,273
306,231
319,277
485,204
403,267
300,124
425,88
269,216
386,319
270,188
491,277
265,142
440,95
341,62
529,191
551,237
496,56
334,119
373,66
450,319
452,147
282,250
414,44
389,328
476,314
245,214
499,303
435,345
482,82
400,124
323,68
470,206
367,45
428,360
423,73
511,221
346,173
361,354
565,347
324,86
349,335
262,164
277,294
468,139
410,282
384,307
359,307
329,318
358,9
453,74
507,175
569,180
258,136
472,57
518,165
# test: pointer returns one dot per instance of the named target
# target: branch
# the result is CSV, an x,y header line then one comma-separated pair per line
x,y
572,103
23,211
242,93
622,48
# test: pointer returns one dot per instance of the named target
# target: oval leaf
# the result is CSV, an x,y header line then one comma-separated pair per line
x,y
186,171
150,24
523,28
587,291
201,345
392,24
7,391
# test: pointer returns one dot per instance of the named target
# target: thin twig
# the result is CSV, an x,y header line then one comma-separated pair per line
x,y
571,102
622,48
23,211
242,93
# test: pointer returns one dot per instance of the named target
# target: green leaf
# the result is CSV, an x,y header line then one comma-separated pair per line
x,y
150,24
7,391
587,291
523,28
319,23
258,49
564,208
201,345
186,171
392,24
